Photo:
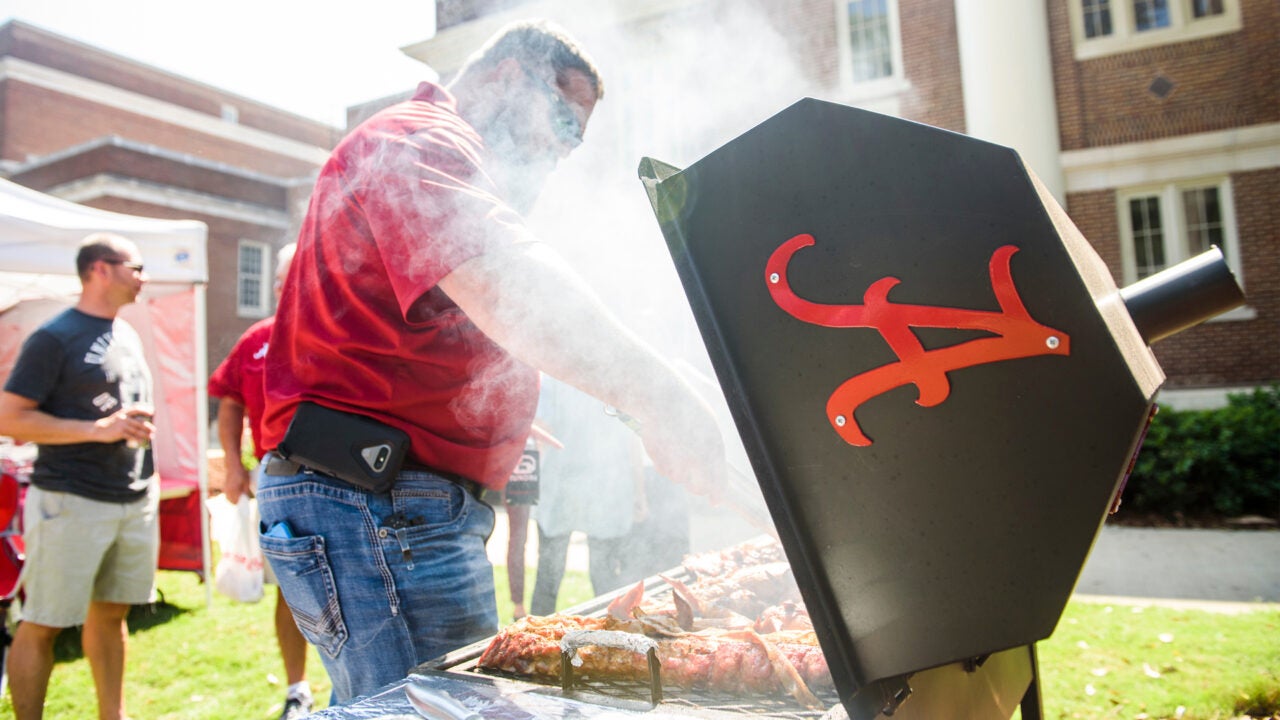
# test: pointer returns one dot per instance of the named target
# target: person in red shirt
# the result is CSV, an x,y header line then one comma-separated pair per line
x,y
238,382
419,299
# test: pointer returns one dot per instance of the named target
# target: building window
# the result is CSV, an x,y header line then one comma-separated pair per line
x,y
1097,17
1150,14
870,47
1203,210
252,279
1206,8
1164,225
1148,235
871,50
1106,27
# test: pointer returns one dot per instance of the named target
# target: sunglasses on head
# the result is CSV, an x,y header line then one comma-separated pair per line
x,y
136,267
564,122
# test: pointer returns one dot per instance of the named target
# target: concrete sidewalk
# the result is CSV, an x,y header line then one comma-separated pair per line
x,y
1221,565
1133,564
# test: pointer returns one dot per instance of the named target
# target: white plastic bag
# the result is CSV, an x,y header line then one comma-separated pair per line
x,y
235,529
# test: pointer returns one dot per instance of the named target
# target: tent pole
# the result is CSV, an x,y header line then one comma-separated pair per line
x,y
202,434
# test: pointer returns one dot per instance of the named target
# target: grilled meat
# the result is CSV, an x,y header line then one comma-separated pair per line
x,y
738,628
732,662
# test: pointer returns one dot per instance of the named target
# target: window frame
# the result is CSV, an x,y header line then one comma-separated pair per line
x,y
866,92
1125,37
263,307
1173,223
1082,16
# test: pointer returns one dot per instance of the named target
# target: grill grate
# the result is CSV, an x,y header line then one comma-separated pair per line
x,y
629,693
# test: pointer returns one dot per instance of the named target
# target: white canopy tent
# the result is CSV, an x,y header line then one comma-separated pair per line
x,y
39,237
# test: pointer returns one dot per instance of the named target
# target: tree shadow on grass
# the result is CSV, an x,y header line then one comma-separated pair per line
x,y
141,617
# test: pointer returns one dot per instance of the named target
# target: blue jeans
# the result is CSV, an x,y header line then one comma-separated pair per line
x,y
377,600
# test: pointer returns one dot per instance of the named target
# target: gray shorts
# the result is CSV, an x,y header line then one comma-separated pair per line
x,y
80,550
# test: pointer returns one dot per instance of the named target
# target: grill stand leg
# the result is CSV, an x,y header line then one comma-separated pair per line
x,y
1031,705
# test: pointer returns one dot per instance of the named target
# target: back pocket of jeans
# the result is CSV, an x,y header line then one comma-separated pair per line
x,y
301,566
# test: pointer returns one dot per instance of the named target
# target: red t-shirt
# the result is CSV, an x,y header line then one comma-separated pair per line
x,y
239,377
361,326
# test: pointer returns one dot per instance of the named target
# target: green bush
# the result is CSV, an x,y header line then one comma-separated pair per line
x,y
1225,461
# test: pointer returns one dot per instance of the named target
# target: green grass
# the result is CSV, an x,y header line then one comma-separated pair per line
x,y
574,589
187,660
1118,661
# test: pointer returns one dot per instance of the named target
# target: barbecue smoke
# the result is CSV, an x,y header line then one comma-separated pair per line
x,y
677,86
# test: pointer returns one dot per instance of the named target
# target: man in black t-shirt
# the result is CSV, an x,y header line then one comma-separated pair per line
x,y
81,391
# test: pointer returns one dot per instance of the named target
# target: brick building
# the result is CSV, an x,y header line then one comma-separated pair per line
x,y
1170,134
105,131
1156,123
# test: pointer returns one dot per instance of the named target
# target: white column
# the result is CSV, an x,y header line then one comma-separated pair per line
x,y
1007,71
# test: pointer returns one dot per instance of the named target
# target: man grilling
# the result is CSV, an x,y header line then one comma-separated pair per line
x,y
418,300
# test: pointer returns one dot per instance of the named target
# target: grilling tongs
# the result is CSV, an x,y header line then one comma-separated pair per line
x,y
437,705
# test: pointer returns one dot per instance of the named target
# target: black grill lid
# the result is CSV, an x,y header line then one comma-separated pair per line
x,y
939,389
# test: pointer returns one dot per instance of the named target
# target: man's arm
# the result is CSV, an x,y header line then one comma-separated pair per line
x,y
530,302
230,434
21,418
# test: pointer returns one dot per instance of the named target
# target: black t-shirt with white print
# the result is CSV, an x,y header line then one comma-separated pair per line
x,y
83,367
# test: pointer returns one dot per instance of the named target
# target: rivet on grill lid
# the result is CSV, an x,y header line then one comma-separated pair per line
x,y
1052,342
773,278
840,421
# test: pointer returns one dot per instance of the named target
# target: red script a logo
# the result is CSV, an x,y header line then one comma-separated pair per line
x,y
1017,335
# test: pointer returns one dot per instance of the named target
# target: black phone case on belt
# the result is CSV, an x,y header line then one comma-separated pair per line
x,y
354,448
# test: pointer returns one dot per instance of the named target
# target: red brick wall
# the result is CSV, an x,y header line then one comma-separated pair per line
x,y
39,122
46,49
806,25
1094,213
1066,76
1219,352
456,12
931,60
4,104
1220,82
223,325
930,53
1243,352
137,162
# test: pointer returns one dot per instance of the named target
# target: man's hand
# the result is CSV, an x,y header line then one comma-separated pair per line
x,y
231,428
236,482
130,424
686,446
21,417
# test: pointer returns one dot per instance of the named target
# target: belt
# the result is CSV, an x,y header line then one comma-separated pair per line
x,y
273,464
